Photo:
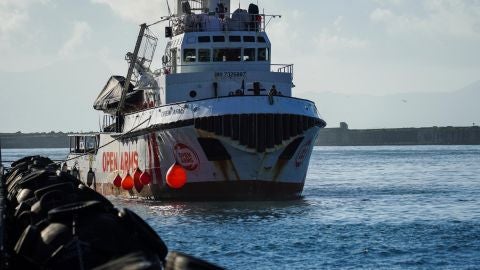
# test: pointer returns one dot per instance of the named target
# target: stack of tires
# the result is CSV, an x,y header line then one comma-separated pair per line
x,y
53,221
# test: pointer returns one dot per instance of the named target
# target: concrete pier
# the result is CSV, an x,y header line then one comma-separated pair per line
x,y
343,136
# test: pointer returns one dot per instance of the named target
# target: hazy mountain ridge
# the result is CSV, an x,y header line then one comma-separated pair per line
x,y
457,108
71,96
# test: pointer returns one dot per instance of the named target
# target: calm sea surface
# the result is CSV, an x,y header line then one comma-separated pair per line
x,y
405,207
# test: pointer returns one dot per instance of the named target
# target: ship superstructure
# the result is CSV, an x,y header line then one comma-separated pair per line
x,y
217,109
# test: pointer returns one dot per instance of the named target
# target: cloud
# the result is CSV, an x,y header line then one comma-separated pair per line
x,y
381,15
440,18
138,11
16,35
81,32
389,2
14,14
12,19
333,38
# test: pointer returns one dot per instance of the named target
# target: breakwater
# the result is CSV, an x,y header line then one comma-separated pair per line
x,y
343,136
51,220
20,140
327,137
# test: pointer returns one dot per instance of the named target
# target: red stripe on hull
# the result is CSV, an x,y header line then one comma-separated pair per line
x,y
149,166
156,160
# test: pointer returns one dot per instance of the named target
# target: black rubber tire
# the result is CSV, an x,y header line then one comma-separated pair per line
x,y
65,187
145,233
180,261
51,200
65,214
87,194
26,243
24,194
137,261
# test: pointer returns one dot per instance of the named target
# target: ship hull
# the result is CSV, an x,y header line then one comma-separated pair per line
x,y
232,155
214,190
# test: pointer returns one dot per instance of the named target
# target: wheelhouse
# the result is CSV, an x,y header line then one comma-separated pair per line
x,y
199,52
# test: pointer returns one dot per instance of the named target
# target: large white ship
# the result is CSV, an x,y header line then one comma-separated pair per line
x,y
216,121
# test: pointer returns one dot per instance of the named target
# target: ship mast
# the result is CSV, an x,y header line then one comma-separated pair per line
x,y
121,103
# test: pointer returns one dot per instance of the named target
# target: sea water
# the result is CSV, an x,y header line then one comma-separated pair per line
x,y
380,207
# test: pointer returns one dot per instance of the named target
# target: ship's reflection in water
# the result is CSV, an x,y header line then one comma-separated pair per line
x,y
363,207
241,211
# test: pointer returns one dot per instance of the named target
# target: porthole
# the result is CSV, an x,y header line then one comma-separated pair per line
x,y
193,94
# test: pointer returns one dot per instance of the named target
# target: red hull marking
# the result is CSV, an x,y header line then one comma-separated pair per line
x,y
110,161
128,161
150,166
156,159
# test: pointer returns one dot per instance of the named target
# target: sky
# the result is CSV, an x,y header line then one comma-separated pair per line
x,y
58,54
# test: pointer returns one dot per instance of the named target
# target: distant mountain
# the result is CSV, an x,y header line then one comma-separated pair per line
x,y
473,89
458,108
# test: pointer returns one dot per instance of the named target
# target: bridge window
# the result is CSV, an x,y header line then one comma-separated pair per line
x,y
203,39
248,39
204,55
77,144
227,55
263,54
189,55
261,39
83,144
218,39
90,144
234,38
249,54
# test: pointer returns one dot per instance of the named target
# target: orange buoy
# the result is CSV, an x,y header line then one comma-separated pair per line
x,y
117,181
127,182
136,180
145,178
136,175
176,176
138,185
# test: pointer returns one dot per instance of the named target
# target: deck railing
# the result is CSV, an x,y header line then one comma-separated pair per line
x,y
205,23
286,69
